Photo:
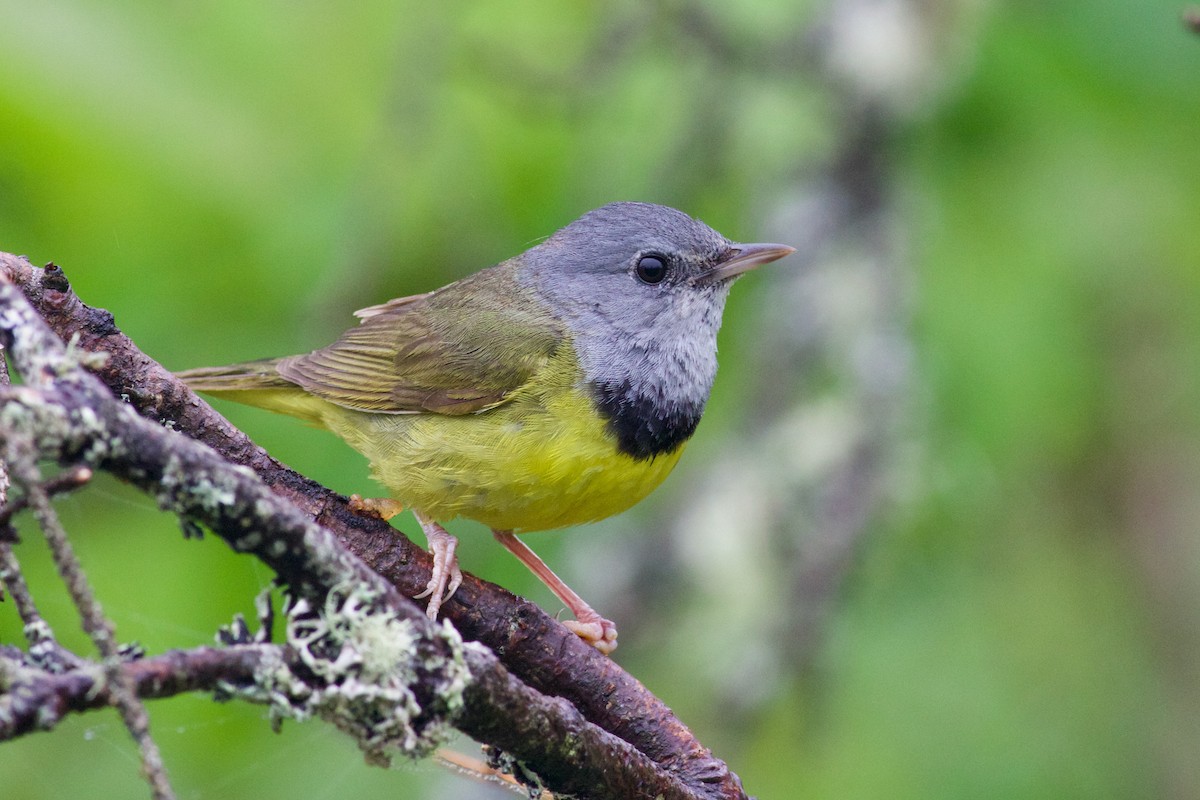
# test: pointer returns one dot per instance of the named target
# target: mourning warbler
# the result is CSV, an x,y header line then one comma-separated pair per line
x,y
556,388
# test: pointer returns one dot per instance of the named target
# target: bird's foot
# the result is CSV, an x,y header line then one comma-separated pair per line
x,y
382,507
447,577
594,629
597,631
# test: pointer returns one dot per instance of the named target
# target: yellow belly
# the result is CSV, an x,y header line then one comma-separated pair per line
x,y
507,468
541,460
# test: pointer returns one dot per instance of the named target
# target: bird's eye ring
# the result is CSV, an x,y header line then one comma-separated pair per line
x,y
651,269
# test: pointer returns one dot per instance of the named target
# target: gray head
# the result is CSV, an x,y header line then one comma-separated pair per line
x,y
642,288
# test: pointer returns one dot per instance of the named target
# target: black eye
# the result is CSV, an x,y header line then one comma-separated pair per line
x,y
651,269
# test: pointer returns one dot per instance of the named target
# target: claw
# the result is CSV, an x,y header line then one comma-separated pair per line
x,y
383,507
600,633
447,577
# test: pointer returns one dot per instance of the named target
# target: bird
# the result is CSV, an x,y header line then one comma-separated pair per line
x,y
553,389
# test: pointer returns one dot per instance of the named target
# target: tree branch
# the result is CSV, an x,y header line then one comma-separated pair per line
x,y
552,737
37,700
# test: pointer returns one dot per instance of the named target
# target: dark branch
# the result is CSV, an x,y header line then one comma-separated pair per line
x,y
75,419
529,642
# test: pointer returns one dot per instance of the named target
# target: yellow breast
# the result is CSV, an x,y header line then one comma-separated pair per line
x,y
542,460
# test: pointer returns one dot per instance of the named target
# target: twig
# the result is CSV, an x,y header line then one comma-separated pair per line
x,y
43,646
68,480
37,630
95,624
37,700
529,642
476,769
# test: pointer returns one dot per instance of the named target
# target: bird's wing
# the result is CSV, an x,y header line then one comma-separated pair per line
x,y
444,352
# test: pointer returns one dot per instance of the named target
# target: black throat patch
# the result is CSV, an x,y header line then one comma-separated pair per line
x,y
644,426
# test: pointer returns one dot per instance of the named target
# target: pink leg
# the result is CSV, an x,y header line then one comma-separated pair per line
x,y
445,565
588,625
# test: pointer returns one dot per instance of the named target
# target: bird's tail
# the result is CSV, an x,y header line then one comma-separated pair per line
x,y
245,377
257,383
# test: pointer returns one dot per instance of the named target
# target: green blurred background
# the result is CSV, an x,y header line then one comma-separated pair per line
x,y
937,536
